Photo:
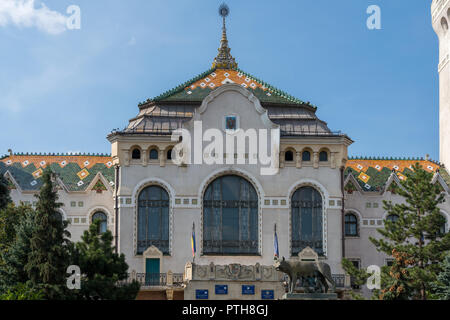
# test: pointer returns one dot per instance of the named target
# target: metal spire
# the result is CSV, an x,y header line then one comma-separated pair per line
x,y
224,60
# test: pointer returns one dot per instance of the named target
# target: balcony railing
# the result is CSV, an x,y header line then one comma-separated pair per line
x,y
155,279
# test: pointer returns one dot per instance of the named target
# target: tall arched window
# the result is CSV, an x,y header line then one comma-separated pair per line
x,y
230,217
103,221
306,211
153,219
351,225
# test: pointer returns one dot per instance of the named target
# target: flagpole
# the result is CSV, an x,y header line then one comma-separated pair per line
x,y
193,242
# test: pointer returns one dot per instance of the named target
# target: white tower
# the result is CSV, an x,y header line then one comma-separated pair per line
x,y
440,12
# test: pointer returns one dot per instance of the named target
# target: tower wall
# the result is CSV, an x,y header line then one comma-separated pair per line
x,y
440,11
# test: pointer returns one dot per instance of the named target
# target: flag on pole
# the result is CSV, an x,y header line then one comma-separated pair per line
x,y
193,241
275,244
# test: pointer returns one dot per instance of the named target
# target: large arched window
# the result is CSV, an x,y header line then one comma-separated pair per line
x,y
306,211
153,219
351,225
103,221
230,217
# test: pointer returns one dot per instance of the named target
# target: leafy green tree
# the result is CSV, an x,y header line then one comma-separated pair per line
x,y
22,292
442,284
10,218
4,193
14,255
50,244
414,238
102,269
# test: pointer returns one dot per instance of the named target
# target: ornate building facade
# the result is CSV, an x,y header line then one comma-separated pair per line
x,y
317,196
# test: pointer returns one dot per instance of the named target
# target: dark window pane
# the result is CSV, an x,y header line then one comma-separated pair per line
x,y
169,154
351,225
230,217
103,221
136,154
154,154
153,219
306,156
306,215
289,156
323,156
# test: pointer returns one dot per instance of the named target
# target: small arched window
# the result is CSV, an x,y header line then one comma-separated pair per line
x,y
169,154
103,221
136,154
392,217
153,154
323,156
351,225
289,156
306,156
444,24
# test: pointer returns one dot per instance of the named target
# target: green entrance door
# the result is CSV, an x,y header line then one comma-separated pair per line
x,y
152,272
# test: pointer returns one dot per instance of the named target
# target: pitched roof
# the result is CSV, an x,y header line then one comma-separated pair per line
x,y
196,89
372,174
76,172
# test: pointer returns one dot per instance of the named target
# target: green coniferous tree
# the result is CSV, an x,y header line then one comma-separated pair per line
x,y
49,243
415,236
14,255
442,285
102,269
4,193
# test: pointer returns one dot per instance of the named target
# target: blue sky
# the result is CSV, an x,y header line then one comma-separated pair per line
x,y
65,90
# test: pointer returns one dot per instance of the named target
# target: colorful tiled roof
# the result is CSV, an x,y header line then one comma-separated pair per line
x,y
198,88
372,174
76,172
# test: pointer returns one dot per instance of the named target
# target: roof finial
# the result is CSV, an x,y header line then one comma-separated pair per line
x,y
224,60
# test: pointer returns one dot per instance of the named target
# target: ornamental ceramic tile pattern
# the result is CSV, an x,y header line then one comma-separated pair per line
x,y
372,174
75,171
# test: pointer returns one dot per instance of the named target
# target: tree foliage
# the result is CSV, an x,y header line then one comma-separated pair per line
x,y
14,255
49,243
102,269
4,193
414,239
442,285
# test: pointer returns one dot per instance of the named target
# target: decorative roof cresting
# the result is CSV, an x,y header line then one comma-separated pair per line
x,y
224,60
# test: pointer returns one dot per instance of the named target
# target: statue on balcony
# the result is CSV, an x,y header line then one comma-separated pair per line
x,y
306,269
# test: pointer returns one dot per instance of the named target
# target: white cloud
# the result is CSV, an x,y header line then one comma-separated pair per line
x,y
22,13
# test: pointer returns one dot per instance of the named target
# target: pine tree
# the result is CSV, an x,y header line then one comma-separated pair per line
x,y
442,285
415,237
101,268
4,193
15,255
50,246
